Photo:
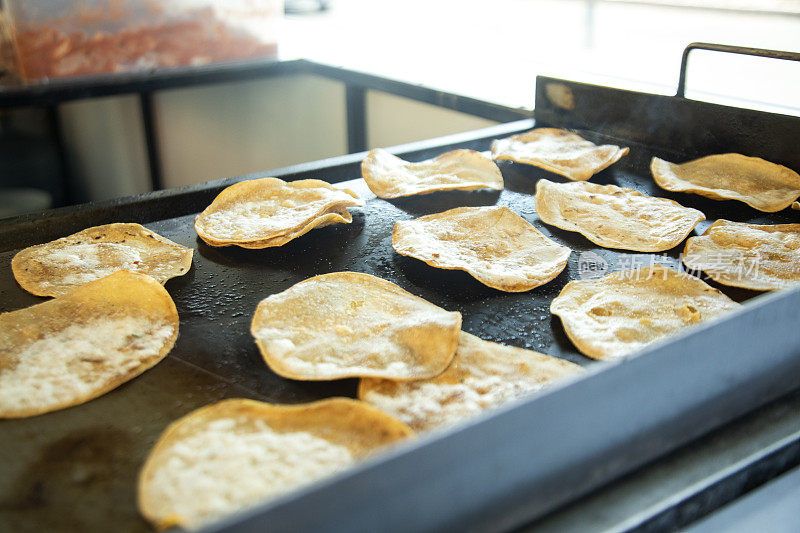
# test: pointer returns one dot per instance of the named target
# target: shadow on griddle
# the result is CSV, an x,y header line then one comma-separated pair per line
x,y
737,294
442,201
453,283
321,248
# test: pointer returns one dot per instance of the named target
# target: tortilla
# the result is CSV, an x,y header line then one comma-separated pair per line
x,y
388,176
492,244
234,454
615,217
751,256
622,312
558,151
270,212
482,375
57,267
336,217
70,350
347,324
758,183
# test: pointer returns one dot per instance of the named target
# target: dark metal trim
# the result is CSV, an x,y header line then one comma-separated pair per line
x,y
356,109
759,52
742,478
67,191
151,139
56,91
422,93
675,129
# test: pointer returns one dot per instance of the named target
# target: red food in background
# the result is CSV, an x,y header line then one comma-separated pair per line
x,y
46,52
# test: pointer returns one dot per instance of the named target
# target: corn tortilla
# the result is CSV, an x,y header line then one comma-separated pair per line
x,y
57,267
760,184
492,244
67,351
482,375
615,217
348,324
234,454
558,151
269,212
622,312
388,176
751,256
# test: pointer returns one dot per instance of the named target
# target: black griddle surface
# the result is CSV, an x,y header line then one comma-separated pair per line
x,y
75,469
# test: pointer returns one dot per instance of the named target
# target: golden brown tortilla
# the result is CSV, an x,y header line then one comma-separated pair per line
x,y
482,375
751,256
615,217
492,244
558,151
348,324
270,212
57,267
234,454
625,311
758,183
70,350
388,176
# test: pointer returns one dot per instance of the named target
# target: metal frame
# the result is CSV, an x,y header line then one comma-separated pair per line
x,y
742,50
513,466
527,459
145,84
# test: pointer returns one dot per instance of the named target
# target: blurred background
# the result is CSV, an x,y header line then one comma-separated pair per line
x,y
489,50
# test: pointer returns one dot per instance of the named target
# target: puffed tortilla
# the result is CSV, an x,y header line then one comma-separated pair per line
x,y
57,267
268,212
348,324
615,217
766,186
751,256
482,375
492,244
337,217
70,350
237,453
388,176
558,151
622,312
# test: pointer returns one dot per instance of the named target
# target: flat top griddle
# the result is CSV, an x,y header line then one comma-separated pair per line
x,y
76,469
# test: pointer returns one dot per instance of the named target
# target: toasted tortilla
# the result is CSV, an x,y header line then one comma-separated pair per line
x,y
234,454
751,256
67,351
57,267
388,176
482,375
270,212
558,151
622,312
343,216
348,324
760,184
492,244
615,217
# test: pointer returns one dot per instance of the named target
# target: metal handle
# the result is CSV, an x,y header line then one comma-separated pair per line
x,y
760,52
